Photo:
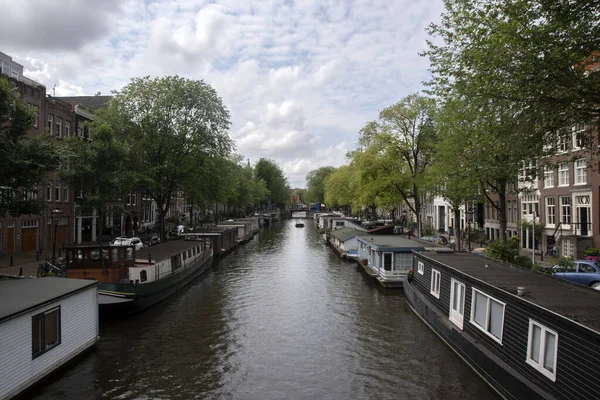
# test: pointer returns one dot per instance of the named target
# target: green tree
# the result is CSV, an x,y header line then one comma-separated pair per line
x,y
315,184
275,180
404,138
341,188
24,162
539,55
175,126
99,169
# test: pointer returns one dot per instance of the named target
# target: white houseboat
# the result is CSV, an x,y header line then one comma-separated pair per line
x,y
388,258
244,230
44,323
344,242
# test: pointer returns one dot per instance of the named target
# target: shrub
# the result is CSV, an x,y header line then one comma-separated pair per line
x,y
503,251
523,261
542,270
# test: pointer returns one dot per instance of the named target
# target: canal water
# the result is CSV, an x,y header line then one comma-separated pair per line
x,y
281,317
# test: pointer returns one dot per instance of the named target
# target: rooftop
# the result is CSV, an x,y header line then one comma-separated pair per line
x,y
21,295
94,102
344,234
395,241
163,251
572,301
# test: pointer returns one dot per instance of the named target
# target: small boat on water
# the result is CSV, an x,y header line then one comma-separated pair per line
x,y
131,280
299,225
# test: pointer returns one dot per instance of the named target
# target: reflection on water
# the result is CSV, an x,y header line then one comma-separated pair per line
x,y
279,318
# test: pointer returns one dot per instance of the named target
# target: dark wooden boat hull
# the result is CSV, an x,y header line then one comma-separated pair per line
x,y
127,298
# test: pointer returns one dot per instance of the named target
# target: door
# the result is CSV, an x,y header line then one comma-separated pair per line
x,y
388,262
583,220
457,303
10,246
28,239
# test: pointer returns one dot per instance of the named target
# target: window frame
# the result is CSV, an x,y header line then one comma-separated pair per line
x,y
59,122
548,177
563,172
580,180
391,254
421,267
41,317
436,283
485,329
539,366
550,210
50,123
455,316
67,129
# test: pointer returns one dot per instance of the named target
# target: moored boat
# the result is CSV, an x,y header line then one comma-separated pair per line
x,y
299,225
131,281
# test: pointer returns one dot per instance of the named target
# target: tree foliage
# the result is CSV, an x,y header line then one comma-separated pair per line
x,y
177,132
24,162
275,181
315,184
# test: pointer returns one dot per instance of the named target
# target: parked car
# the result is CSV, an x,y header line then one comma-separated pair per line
x,y
584,272
151,241
436,239
127,241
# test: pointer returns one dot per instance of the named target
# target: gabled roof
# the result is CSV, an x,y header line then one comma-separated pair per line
x,y
94,102
344,234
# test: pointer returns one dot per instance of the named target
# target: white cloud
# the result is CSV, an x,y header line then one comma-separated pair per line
x,y
299,78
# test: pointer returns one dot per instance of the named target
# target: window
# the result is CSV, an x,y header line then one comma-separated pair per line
x,y
36,117
50,123
57,191
542,348
586,269
58,127
487,314
580,172
388,261
550,211
45,331
579,136
563,143
65,193
568,248
420,267
143,276
457,303
565,210
133,198
80,128
563,174
548,177
49,191
436,278
67,129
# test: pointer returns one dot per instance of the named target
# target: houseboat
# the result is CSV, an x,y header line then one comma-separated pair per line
x,y
344,242
131,281
44,323
254,224
528,335
244,230
388,258
223,238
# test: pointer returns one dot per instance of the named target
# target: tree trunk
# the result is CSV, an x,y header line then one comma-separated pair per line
x,y
161,223
457,231
417,198
502,210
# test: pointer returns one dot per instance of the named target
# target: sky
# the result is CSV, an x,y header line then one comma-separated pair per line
x,y
300,78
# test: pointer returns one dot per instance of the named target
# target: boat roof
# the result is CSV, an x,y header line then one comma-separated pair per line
x,y
344,234
394,242
163,251
570,300
213,229
19,296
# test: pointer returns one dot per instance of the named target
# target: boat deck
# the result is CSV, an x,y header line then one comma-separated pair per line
x,y
573,301
165,250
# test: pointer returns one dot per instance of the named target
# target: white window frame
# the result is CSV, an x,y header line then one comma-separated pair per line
x,y
548,177
50,124
59,127
565,218
485,329
65,193
37,116
420,268
550,211
540,366
391,254
49,191
67,129
436,283
580,167
57,191
454,315
563,174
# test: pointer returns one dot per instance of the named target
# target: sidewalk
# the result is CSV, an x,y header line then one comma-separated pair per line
x,y
27,261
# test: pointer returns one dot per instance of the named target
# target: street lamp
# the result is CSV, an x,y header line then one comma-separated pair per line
x,y
56,213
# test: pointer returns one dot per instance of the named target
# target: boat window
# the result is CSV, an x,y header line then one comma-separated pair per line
x,y
420,268
542,348
403,261
189,253
45,331
436,280
184,255
143,276
80,255
457,302
115,254
194,251
130,253
487,314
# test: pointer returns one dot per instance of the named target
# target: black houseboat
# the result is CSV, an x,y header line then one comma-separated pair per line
x,y
528,335
223,238
130,281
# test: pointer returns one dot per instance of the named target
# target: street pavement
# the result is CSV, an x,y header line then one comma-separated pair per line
x,y
25,263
